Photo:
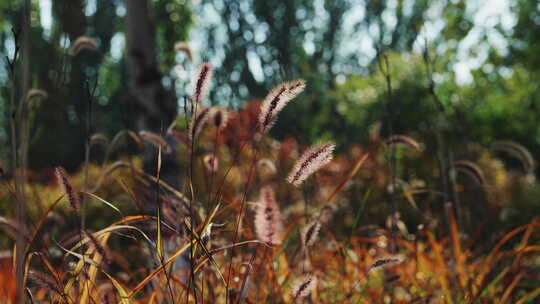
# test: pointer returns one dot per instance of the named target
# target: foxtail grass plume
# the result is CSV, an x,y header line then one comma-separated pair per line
x,y
310,233
97,247
99,138
403,140
276,100
183,47
211,163
384,262
303,286
12,228
268,225
471,169
202,81
82,43
312,160
518,151
34,94
45,281
156,140
72,195
220,117
326,213
267,166
392,279
198,121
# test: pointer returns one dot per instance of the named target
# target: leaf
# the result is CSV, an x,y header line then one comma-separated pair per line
x,y
103,201
159,269
124,296
351,174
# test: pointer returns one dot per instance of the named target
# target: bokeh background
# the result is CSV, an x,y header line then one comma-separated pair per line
x,y
456,80
484,53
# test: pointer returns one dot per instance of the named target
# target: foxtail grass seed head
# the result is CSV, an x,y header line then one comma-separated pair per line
x,y
202,82
211,163
276,100
220,117
267,166
303,286
96,245
82,43
384,262
392,279
45,281
156,140
72,195
326,213
197,123
518,151
12,228
310,233
403,140
268,220
99,138
312,160
471,169
183,47
35,94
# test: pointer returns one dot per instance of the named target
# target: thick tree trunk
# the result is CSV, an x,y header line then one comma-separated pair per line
x,y
156,106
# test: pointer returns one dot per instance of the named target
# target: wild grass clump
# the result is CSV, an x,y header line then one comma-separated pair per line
x,y
256,221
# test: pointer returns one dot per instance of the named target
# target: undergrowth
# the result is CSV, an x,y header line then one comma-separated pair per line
x,y
255,220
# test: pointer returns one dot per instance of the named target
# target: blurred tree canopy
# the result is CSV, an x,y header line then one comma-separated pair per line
x,y
484,65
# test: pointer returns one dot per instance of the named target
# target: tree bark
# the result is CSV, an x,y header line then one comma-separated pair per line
x,y
156,106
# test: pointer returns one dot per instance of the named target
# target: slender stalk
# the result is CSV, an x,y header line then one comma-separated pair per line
x,y
384,67
191,280
240,216
13,122
445,155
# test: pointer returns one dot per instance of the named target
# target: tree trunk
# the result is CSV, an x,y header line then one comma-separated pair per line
x,y
156,106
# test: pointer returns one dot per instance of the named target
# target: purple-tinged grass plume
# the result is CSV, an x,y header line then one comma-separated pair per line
x,y
197,123
156,140
82,43
45,281
518,151
99,138
310,233
211,163
403,140
72,195
220,117
312,160
276,100
35,94
303,286
384,262
97,247
268,225
471,169
267,165
202,82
